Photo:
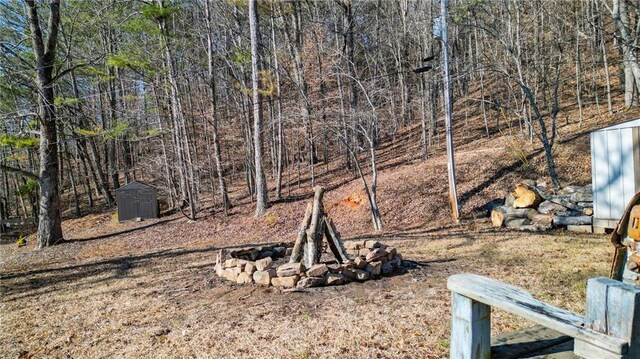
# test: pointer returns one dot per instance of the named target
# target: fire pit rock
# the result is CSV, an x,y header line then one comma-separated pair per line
x,y
266,266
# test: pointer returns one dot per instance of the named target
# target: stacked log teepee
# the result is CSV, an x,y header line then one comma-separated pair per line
x,y
314,226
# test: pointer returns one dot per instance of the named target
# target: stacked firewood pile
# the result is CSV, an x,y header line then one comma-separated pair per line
x,y
534,207
373,260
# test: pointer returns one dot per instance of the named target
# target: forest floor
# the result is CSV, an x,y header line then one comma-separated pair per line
x,y
148,289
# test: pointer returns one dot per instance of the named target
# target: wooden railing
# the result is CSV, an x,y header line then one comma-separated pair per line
x,y
610,327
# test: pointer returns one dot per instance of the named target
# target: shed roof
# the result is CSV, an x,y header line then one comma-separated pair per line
x,y
626,124
134,185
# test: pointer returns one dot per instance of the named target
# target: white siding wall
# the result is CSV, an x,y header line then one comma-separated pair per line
x,y
615,169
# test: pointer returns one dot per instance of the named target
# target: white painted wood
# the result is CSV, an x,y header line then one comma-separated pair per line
x,y
627,166
617,202
589,351
470,328
615,168
520,302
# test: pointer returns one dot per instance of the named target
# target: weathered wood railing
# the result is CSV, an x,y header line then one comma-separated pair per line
x,y
610,327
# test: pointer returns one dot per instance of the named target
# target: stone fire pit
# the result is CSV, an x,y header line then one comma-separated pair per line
x,y
353,261
266,266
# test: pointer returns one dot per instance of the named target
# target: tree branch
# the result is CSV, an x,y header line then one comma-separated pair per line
x,y
20,172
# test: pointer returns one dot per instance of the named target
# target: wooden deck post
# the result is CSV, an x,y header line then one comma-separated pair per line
x,y
470,328
613,308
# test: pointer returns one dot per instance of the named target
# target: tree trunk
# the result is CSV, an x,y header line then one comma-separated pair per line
x,y
214,113
315,231
261,183
49,224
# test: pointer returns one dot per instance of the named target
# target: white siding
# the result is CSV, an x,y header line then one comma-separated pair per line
x,y
614,169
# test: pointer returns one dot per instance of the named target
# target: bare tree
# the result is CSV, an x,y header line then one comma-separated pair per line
x,y
49,221
261,183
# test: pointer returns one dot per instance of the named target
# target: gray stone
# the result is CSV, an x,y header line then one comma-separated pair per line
x,y
264,277
387,268
290,269
396,261
287,282
266,249
360,263
264,263
377,255
231,262
334,279
289,251
265,254
317,270
361,275
219,270
355,274
363,252
374,268
392,251
371,244
235,270
230,275
249,253
310,282
250,267
280,251
244,278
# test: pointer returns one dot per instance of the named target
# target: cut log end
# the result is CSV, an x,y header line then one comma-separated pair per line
x,y
525,197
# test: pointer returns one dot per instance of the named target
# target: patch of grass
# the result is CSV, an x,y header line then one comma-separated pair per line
x,y
305,354
443,344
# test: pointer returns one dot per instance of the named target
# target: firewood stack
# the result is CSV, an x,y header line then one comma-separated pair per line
x,y
531,207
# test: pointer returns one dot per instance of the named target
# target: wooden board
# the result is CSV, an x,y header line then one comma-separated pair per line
x,y
520,302
470,328
531,342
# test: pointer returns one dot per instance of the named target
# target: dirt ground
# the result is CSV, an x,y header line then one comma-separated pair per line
x,y
107,298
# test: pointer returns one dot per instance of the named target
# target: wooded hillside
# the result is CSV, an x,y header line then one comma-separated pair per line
x,y
183,95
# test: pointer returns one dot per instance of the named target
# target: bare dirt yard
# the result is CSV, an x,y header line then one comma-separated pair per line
x,y
144,294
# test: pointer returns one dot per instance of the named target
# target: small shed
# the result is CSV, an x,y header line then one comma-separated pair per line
x,y
136,200
615,171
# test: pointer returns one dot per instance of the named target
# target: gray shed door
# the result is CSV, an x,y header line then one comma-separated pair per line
x,y
137,201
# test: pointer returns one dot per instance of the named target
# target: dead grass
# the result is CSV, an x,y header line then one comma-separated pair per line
x,y
168,303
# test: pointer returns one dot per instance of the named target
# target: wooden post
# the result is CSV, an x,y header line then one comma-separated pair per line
x,y
334,241
448,109
470,328
315,230
296,253
613,308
